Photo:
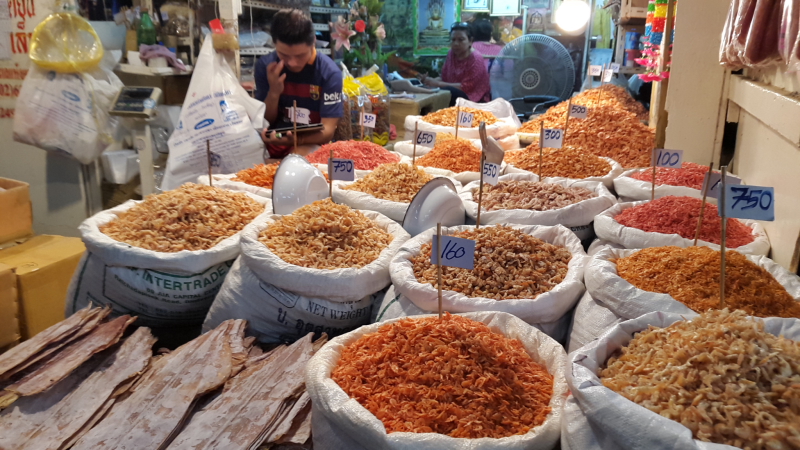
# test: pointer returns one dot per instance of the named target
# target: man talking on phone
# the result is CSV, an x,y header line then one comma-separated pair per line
x,y
296,72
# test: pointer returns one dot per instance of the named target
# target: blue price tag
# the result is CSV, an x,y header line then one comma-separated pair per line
x,y
715,183
456,252
750,202
426,138
668,158
341,169
491,173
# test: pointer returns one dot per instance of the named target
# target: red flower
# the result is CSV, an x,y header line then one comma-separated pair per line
x,y
361,26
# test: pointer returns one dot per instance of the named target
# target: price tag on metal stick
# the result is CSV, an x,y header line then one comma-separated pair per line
x,y
456,252
342,169
750,202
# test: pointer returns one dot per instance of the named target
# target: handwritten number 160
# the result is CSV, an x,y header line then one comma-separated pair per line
x,y
453,251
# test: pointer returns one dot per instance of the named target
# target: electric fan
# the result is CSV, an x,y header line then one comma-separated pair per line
x,y
532,65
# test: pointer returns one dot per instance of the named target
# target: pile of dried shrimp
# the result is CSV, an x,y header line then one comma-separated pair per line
x,y
396,182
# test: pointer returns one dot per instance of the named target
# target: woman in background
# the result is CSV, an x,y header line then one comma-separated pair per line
x,y
483,41
464,73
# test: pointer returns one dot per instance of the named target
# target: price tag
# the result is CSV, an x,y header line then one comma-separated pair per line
x,y
491,173
553,138
426,138
341,169
302,116
750,202
368,120
578,111
595,71
615,67
456,252
668,158
715,183
465,119
608,74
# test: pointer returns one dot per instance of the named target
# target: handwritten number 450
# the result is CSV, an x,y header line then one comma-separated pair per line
x,y
752,198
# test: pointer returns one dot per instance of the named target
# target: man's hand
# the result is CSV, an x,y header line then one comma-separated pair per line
x,y
275,78
272,138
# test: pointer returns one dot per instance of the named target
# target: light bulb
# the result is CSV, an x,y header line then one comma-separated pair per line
x,y
572,16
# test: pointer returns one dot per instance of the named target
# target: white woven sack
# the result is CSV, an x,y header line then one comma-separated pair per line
x,y
589,320
500,107
163,289
406,148
341,423
225,181
498,130
600,244
631,190
366,202
394,305
461,177
545,308
597,418
610,230
607,179
577,214
362,173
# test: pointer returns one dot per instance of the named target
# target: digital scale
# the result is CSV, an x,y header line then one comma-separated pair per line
x,y
140,103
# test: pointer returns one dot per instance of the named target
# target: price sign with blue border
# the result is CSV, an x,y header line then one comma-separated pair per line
x,y
341,169
750,202
456,252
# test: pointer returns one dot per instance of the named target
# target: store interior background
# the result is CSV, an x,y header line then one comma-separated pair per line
x,y
703,101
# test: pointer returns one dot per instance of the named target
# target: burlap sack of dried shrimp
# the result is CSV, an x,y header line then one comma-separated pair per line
x,y
341,423
225,181
282,302
546,308
163,289
631,190
607,179
615,295
577,217
614,232
597,418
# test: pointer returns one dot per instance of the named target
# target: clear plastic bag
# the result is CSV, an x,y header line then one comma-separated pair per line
x,y
790,25
725,56
761,45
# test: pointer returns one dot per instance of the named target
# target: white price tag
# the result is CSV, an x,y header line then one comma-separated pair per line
x,y
668,158
608,74
578,111
302,115
491,173
465,119
553,138
368,120
750,202
615,67
715,183
595,71
456,252
426,138
341,169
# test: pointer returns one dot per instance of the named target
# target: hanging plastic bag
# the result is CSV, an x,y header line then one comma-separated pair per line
x,y
761,45
217,110
378,97
790,26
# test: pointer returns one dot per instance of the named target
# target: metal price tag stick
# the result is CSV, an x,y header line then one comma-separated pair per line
x,y
541,149
484,144
414,156
208,159
566,122
458,119
721,210
653,184
597,97
439,264
703,205
294,122
330,174
363,136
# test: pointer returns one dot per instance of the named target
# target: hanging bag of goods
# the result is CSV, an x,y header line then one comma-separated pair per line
x,y
720,380
631,283
444,121
164,258
484,380
315,270
219,111
673,221
533,272
388,189
636,184
564,162
521,199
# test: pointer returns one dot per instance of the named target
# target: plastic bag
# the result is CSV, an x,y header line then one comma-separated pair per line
x,y
597,418
501,108
219,110
341,423
67,43
283,302
378,96
67,113
761,45
609,229
607,179
790,26
547,307
727,37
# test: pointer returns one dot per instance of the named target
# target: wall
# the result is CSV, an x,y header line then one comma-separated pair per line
x,y
56,193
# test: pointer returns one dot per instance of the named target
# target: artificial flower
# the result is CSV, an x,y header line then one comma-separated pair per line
x,y
341,33
360,26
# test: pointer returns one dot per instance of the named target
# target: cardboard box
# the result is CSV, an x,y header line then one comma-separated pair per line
x,y
9,310
43,267
15,203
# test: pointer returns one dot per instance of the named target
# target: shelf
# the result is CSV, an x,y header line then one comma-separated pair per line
x,y
321,27
327,10
258,51
261,5
631,70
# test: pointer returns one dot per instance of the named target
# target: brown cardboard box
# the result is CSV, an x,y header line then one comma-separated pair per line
x,y
9,324
43,266
15,204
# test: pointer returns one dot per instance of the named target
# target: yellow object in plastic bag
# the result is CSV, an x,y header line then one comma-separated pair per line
x,y
378,96
66,43
374,84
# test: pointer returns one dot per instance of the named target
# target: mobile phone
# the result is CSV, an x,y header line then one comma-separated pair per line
x,y
300,128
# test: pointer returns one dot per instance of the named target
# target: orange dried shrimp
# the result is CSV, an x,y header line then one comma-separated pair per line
x,y
447,117
452,376
691,276
396,182
262,175
454,155
559,162
192,217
